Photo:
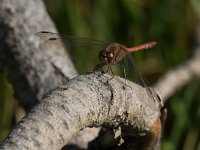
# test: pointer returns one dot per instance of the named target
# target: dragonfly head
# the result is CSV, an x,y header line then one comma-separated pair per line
x,y
113,53
106,57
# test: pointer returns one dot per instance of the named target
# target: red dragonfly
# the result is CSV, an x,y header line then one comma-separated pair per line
x,y
110,53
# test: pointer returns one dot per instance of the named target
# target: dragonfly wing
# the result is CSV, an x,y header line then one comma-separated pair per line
x,y
80,48
51,42
71,41
134,74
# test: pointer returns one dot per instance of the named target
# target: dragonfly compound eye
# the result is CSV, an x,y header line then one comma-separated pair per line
x,y
109,54
110,57
103,57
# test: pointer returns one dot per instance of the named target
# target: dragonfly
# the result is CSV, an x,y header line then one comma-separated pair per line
x,y
109,54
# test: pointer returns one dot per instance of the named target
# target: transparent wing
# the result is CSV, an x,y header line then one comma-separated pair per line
x,y
83,50
69,41
133,73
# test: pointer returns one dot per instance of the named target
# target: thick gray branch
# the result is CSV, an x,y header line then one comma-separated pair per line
x,y
86,101
31,69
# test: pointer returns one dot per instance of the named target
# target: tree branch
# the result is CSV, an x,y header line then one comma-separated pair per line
x,y
30,69
86,101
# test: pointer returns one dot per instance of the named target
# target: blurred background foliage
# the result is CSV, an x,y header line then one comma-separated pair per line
x,y
169,22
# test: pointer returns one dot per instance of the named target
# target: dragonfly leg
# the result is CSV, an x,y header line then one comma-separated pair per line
x,y
125,76
124,70
110,69
97,67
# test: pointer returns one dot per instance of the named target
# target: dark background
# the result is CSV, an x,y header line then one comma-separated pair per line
x,y
131,22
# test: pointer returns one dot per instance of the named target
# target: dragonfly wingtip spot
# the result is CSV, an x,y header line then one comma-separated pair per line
x,y
52,39
44,32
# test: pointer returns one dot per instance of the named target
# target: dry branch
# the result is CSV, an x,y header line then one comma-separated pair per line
x,y
86,101
32,74
30,69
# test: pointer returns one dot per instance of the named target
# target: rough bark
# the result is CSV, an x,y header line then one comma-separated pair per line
x,y
32,73
86,101
31,69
